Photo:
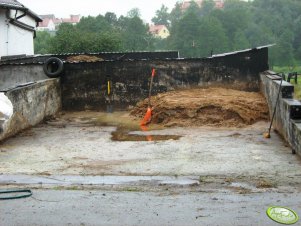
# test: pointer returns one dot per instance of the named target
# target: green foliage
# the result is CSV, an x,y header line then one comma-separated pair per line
x,y
134,34
286,70
175,15
42,42
186,34
135,12
98,34
207,7
79,39
111,18
94,24
194,36
195,32
213,38
284,48
240,41
162,16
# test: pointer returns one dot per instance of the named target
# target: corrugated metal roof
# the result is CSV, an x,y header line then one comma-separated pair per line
x,y
106,56
241,51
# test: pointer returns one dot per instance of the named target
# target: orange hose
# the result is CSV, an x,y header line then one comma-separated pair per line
x,y
147,118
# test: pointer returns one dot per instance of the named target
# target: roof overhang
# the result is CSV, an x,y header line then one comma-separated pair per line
x,y
21,8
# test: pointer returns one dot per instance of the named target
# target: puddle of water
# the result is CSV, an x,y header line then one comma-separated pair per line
x,y
125,136
126,124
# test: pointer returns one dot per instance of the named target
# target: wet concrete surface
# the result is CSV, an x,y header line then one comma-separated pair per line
x,y
73,145
72,207
209,176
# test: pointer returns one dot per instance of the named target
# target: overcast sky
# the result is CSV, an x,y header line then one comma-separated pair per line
x,y
63,8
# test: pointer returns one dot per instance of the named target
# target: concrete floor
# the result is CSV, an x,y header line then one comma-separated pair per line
x,y
210,176
52,208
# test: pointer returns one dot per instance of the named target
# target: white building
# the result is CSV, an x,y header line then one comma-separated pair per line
x,y
48,23
51,23
17,28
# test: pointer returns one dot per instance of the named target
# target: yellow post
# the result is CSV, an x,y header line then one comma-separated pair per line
x,y
109,88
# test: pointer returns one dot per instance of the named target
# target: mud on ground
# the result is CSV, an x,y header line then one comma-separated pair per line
x,y
206,106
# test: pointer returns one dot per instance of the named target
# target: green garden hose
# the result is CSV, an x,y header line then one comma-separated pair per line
x,y
27,192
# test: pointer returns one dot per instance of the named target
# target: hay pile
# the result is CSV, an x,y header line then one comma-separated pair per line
x,y
83,58
211,107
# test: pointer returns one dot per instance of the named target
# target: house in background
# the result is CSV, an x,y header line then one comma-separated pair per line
x,y
74,19
51,23
159,31
219,4
17,28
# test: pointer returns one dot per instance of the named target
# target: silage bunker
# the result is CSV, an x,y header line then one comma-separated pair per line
x,y
218,107
83,85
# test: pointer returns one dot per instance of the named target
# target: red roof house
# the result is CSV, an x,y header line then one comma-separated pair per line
x,y
51,23
159,31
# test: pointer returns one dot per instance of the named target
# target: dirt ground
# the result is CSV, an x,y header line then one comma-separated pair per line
x,y
211,106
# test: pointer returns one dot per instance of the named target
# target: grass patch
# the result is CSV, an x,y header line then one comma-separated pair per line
x,y
286,70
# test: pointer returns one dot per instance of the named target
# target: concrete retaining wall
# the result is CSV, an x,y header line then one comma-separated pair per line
x,y
13,75
287,119
32,104
84,84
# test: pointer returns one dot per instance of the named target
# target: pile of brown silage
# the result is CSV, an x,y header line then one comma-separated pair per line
x,y
211,107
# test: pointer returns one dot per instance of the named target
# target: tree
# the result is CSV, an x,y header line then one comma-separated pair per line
x,y
193,8
185,35
259,35
213,38
233,19
240,41
134,34
282,53
195,32
65,40
207,7
162,17
108,42
41,42
297,38
111,18
135,12
175,15
94,24
70,39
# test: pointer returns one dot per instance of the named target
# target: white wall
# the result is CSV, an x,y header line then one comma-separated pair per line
x,y
3,33
15,40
